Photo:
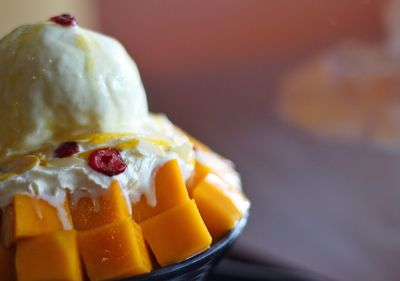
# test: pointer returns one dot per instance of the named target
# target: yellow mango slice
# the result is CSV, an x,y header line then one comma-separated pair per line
x,y
170,191
147,257
7,263
88,212
114,251
28,216
53,256
217,209
200,172
176,234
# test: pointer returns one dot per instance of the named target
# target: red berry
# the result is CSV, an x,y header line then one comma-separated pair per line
x,y
64,19
66,149
107,161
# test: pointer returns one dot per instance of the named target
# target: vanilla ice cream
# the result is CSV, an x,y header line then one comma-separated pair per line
x,y
59,81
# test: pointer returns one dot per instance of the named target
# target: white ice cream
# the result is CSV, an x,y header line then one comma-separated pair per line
x,y
58,81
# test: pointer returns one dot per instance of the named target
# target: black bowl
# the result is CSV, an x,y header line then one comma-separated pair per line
x,y
197,267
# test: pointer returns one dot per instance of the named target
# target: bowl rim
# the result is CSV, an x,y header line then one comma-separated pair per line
x,y
191,262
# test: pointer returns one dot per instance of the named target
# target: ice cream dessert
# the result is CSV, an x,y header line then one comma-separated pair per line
x,y
91,183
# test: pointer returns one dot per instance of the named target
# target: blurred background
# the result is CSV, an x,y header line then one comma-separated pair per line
x,y
306,122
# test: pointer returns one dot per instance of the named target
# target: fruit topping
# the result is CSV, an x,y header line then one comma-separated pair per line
x,y
107,161
66,149
65,20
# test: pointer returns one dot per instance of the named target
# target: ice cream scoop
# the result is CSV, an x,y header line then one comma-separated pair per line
x,y
60,80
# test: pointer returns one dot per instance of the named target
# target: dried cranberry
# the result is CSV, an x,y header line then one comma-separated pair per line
x,y
66,149
107,161
64,19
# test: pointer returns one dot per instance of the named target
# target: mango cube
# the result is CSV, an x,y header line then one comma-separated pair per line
x,y
114,250
176,234
200,172
48,257
216,208
7,263
88,212
28,216
170,192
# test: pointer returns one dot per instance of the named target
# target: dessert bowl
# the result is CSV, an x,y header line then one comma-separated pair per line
x,y
92,184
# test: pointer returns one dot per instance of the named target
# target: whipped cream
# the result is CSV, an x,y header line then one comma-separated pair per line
x,y
142,153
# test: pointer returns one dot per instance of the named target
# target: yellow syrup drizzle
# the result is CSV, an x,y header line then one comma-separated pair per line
x,y
129,144
100,138
160,142
83,43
